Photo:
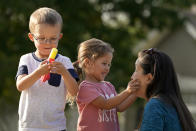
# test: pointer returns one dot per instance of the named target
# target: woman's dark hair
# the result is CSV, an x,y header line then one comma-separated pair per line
x,y
165,84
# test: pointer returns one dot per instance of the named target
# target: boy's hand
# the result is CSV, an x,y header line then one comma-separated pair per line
x,y
44,68
57,68
133,86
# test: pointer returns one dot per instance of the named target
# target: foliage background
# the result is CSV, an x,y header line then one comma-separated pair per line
x,y
122,23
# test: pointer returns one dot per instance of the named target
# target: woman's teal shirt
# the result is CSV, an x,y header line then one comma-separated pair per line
x,y
159,116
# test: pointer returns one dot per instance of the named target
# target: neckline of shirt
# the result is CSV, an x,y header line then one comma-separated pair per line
x,y
102,82
40,60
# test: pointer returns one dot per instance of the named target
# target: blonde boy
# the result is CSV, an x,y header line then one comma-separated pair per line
x,y
42,104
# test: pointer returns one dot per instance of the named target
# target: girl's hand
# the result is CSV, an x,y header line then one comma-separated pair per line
x,y
133,86
44,68
57,68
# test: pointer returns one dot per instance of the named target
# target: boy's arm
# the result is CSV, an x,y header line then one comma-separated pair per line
x,y
126,103
70,83
25,81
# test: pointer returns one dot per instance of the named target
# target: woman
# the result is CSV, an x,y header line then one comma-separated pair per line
x,y
165,109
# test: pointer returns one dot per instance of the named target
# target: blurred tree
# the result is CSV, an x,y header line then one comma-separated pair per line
x,y
120,22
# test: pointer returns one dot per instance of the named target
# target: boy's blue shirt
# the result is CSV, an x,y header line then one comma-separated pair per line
x,y
160,116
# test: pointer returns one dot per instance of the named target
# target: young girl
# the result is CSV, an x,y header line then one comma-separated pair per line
x,y
97,99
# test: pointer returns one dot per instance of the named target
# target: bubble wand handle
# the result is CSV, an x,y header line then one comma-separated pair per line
x,y
51,58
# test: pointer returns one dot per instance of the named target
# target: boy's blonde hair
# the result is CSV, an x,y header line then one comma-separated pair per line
x,y
44,15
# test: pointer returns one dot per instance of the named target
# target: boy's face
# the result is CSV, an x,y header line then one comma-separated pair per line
x,y
45,37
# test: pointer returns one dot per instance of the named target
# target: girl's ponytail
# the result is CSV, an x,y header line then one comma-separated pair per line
x,y
78,70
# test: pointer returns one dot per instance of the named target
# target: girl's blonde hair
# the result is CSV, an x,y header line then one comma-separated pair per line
x,y
91,49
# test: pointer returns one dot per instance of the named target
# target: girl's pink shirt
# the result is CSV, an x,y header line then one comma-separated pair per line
x,y
92,118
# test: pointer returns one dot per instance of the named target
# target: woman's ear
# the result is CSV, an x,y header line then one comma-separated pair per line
x,y
149,78
30,36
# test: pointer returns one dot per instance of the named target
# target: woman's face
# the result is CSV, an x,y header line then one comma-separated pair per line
x,y
143,79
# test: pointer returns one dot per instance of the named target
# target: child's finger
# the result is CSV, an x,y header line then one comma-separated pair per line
x,y
133,86
53,70
133,83
136,84
44,62
55,63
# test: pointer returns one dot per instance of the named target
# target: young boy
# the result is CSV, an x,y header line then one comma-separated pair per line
x,y
42,104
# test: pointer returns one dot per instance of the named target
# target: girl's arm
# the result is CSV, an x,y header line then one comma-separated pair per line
x,y
26,81
121,101
129,101
126,103
111,102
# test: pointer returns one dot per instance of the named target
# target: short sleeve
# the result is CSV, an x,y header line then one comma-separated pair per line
x,y
111,87
87,93
152,117
69,66
67,63
22,67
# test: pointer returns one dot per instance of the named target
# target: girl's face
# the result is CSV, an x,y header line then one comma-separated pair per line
x,y
97,70
45,37
143,79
